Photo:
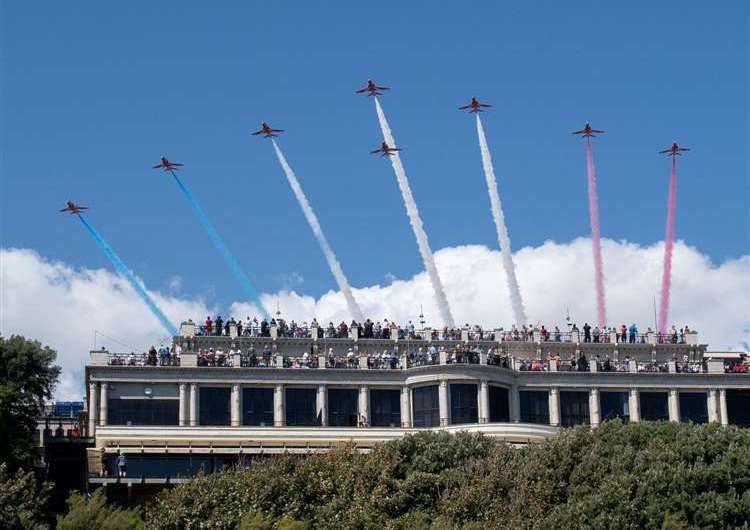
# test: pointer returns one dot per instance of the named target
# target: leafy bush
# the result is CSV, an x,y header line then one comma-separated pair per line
x,y
95,514
640,475
22,500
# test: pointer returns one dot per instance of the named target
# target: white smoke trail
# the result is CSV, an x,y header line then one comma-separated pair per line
x,y
416,221
502,230
312,220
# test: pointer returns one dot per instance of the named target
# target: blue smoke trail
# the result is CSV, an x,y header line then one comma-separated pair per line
x,y
124,271
229,258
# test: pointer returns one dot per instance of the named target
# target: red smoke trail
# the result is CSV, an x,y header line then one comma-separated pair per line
x,y
666,280
601,310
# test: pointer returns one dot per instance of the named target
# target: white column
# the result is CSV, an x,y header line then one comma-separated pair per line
x,y
363,410
484,402
278,406
554,407
234,406
515,404
103,405
322,405
405,408
182,415
443,400
634,404
595,416
193,404
674,405
93,407
712,406
723,414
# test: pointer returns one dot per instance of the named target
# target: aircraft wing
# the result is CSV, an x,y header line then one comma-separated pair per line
x,y
485,105
665,151
464,107
375,151
578,132
256,133
66,209
361,91
157,166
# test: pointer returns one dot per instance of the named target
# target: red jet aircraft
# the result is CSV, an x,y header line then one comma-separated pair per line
x,y
674,150
74,209
372,89
267,131
384,150
167,165
474,106
588,131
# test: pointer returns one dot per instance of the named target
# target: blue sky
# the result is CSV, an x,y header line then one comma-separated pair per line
x,y
94,92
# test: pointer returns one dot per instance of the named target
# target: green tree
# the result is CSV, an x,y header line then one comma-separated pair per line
x,y
96,514
23,500
27,379
640,475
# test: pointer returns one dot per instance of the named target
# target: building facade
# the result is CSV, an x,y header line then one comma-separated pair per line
x,y
232,399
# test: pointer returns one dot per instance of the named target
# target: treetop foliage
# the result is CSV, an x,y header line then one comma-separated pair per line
x,y
638,475
27,378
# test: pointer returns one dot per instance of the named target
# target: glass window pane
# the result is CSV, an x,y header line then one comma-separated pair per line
x,y
257,406
534,406
614,405
738,407
214,406
463,403
143,411
425,406
499,404
343,407
574,408
301,407
654,406
385,408
694,407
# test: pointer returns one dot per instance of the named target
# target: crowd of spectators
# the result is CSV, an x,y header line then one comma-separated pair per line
x,y
164,356
387,329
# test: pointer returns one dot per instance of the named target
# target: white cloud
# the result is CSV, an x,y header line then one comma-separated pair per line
x,y
175,283
62,306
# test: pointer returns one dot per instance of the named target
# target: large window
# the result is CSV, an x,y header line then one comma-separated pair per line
x,y
301,407
143,411
169,466
693,407
499,411
654,406
257,406
534,406
738,407
343,407
214,406
426,406
574,408
463,403
614,405
385,408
